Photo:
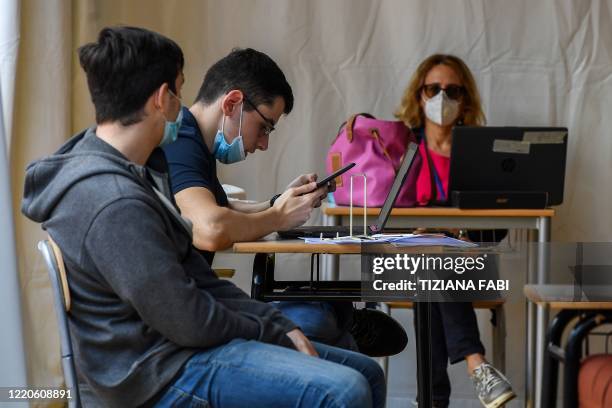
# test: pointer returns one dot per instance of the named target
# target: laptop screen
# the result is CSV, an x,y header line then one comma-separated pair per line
x,y
400,177
509,159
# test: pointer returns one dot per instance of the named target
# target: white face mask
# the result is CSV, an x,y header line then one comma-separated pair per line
x,y
441,109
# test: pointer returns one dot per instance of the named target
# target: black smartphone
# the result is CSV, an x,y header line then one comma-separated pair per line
x,y
334,175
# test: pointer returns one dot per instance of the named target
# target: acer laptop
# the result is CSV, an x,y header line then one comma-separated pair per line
x,y
507,167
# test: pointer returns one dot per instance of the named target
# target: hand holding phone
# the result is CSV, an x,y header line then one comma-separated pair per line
x,y
334,175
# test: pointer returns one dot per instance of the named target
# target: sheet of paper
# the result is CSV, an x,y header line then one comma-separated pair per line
x,y
397,240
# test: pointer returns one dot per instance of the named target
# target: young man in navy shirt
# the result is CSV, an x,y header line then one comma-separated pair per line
x,y
241,100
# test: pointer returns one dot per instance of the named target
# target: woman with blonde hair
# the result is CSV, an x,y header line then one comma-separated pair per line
x,y
442,93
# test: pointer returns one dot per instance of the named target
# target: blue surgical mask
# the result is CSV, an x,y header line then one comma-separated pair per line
x,y
229,153
171,129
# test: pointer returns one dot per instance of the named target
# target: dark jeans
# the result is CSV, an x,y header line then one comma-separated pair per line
x,y
325,322
454,335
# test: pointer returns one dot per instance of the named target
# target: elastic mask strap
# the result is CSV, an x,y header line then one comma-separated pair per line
x,y
240,121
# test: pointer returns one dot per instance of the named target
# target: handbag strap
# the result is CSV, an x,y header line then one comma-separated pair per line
x,y
350,123
376,135
433,175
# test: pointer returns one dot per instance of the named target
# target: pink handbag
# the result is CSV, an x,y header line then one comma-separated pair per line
x,y
377,147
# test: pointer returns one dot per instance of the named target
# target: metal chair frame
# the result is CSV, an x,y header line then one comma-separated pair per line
x,y
61,300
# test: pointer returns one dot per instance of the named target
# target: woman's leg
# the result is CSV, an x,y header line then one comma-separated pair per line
x,y
463,342
461,329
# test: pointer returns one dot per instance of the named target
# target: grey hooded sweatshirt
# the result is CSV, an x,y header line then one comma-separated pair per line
x,y
143,299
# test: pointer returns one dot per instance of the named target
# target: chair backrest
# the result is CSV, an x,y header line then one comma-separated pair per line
x,y
61,300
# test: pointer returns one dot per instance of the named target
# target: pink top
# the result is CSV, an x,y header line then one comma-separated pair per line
x,y
424,180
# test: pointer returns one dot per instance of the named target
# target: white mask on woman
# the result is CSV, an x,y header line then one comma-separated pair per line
x,y
441,109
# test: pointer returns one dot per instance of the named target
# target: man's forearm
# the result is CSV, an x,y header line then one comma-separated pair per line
x,y
222,230
248,207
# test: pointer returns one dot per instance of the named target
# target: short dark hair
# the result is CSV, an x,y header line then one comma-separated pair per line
x,y
249,71
124,67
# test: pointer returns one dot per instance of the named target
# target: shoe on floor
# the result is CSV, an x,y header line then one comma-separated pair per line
x,y
492,387
377,334
415,403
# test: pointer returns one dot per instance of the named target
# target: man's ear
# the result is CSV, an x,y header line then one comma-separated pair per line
x,y
160,97
231,101
154,104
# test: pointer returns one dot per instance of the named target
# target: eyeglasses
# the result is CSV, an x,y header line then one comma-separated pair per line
x,y
270,123
454,92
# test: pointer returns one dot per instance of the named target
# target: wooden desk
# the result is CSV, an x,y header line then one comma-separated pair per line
x,y
448,217
265,287
272,244
564,297
439,212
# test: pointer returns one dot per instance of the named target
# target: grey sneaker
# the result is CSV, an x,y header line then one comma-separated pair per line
x,y
493,388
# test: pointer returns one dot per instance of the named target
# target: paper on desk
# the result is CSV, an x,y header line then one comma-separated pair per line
x,y
396,240
341,240
431,239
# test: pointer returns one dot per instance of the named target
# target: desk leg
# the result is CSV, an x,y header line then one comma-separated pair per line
x,y
331,263
422,311
541,311
530,324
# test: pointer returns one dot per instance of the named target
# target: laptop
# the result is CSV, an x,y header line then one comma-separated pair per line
x,y
507,167
379,225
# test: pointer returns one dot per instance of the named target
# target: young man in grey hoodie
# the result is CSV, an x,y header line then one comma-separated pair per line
x,y
151,323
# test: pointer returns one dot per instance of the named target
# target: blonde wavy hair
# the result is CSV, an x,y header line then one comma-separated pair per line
x,y
410,111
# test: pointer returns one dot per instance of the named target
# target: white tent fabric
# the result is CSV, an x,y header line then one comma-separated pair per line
x,y
13,368
41,124
9,42
544,63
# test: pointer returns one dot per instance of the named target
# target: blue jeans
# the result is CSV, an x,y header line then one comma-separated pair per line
x,y
323,322
253,374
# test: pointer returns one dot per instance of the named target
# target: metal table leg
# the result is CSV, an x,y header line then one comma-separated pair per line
x,y
541,311
530,323
422,312
331,263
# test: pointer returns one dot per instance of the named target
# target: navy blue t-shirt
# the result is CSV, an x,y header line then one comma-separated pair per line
x,y
191,164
